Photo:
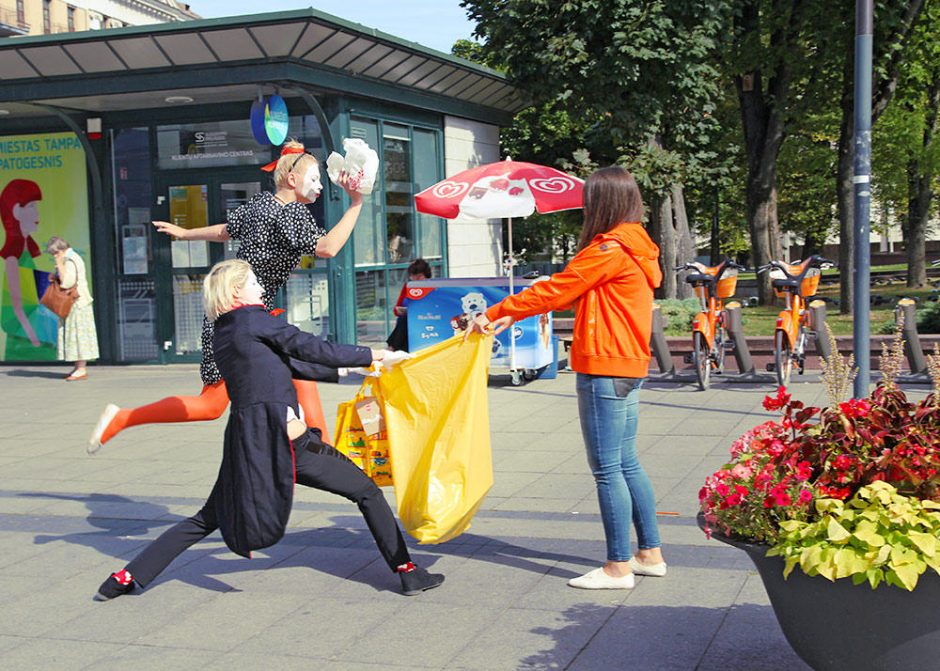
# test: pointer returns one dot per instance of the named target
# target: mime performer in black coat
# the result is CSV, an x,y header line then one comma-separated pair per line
x,y
268,447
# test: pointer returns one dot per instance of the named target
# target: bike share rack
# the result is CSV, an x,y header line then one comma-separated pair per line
x,y
661,352
734,325
906,309
817,319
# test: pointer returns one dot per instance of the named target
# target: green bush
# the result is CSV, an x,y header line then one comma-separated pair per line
x,y
678,314
928,318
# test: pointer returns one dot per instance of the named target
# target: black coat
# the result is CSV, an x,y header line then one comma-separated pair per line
x,y
255,487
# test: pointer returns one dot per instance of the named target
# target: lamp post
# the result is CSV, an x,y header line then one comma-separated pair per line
x,y
861,331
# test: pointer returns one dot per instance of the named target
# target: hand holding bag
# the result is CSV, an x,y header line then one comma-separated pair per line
x,y
57,299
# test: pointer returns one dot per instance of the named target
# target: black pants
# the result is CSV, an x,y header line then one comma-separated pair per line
x,y
319,466
398,338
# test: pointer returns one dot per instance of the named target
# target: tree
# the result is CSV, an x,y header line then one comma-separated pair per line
x,y
894,22
639,78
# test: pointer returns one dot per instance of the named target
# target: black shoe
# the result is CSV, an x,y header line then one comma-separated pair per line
x,y
112,588
419,580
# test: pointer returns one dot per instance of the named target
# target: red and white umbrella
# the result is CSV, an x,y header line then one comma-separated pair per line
x,y
504,189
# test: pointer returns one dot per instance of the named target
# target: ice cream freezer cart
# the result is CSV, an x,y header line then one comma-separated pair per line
x,y
526,349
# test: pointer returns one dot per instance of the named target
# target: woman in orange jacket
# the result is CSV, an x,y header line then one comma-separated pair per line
x,y
611,282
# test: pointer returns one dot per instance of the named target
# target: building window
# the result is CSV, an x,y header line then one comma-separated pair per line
x,y
20,12
71,18
46,20
390,233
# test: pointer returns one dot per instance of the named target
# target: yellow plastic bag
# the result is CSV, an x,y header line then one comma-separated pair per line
x,y
437,416
370,453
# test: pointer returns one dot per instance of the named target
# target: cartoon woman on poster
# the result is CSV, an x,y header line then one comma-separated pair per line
x,y
21,317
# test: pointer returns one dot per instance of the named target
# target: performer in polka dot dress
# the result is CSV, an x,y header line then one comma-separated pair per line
x,y
274,231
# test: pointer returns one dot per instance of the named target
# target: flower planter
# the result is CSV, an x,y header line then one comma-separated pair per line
x,y
838,625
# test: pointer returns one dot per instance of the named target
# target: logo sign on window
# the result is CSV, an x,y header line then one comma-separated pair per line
x,y
269,120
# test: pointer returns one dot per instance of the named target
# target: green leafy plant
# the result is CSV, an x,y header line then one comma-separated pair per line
x,y
879,535
678,313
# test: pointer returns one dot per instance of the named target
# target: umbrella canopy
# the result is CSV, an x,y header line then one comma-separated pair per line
x,y
504,189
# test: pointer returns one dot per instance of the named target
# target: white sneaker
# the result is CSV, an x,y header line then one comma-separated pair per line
x,y
94,442
654,570
597,579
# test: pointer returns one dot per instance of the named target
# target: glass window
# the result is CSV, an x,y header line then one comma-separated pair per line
x,y
427,173
209,144
46,20
20,13
189,208
71,19
399,207
371,307
188,313
234,195
308,303
369,235
137,320
130,149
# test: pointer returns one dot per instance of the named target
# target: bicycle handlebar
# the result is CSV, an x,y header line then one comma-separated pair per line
x,y
814,261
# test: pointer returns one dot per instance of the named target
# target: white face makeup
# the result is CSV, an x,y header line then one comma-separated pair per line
x,y
250,293
311,187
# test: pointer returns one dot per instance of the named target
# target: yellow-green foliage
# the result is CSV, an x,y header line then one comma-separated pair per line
x,y
878,535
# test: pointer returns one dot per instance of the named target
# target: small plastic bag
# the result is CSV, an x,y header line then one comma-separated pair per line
x,y
361,164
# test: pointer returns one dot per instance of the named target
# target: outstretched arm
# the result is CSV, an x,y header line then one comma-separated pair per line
x,y
216,233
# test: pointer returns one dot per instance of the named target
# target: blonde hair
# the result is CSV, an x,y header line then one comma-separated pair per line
x,y
218,289
288,163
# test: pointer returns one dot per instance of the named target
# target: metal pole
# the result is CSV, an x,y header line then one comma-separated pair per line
x,y
512,340
861,340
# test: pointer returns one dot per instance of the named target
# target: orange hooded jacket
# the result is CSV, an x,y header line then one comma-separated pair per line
x,y
612,281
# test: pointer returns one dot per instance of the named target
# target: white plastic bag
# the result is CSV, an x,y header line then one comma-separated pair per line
x,y
361,164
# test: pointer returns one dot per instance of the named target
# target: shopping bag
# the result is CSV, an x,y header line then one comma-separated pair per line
x,y
437,419
361,165
369,451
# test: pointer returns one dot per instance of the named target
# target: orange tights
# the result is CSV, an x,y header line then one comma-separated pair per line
x,y
210,404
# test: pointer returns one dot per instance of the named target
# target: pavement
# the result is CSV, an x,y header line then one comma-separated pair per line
x,y
322,598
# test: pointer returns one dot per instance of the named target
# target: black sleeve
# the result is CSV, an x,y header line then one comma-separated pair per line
x,y
315,372
299,229
290,340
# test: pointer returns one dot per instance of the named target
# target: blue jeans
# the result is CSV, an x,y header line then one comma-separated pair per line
x,y
609,411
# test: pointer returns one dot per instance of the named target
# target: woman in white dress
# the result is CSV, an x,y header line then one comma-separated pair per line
x,y
78,339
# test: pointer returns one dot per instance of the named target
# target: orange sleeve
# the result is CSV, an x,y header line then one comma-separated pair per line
x,y
593,266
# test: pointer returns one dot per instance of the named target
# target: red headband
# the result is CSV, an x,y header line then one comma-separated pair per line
x,y
284,152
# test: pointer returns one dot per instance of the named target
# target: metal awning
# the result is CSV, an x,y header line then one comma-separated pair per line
x,y
86,70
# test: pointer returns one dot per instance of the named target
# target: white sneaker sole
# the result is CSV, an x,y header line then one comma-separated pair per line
x,y
597,579
651,570
94,442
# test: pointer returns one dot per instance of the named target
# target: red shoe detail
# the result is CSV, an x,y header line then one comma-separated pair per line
x,y
405,568
123,576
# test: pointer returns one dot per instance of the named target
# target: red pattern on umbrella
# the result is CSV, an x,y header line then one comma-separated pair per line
x,y
503,189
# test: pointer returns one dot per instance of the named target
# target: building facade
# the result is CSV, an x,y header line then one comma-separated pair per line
x,y
48,17
122,127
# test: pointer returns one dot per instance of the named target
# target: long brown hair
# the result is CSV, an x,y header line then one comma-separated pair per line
x,y
611,197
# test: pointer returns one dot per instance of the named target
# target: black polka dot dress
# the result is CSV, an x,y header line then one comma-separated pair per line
x,y
272,237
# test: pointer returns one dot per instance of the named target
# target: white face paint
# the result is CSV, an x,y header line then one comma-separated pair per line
x,y
311,187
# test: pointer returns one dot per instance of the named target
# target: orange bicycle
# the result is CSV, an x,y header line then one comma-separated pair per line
x,y
796,283
709,338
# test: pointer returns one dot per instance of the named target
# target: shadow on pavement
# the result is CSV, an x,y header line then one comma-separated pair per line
x,y
20,372
664,638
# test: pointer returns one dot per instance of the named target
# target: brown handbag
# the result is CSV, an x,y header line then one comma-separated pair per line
x,y
57,299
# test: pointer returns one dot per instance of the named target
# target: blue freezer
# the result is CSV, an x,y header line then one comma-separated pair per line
x,y
433,303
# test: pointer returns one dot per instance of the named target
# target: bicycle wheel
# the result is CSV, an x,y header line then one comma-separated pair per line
x,y
703,367
721,339
783,359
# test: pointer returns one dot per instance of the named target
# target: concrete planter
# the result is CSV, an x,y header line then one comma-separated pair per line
x,y
835,626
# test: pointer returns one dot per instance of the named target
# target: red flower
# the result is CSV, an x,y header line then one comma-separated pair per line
x,y
805,497
782,399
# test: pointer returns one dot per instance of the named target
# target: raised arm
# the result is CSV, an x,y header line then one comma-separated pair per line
x,y
329,245
300,345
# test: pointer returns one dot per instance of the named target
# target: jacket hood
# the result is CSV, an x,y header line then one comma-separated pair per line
x,y
636,241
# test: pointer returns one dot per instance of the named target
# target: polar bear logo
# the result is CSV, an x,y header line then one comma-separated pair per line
x,y
473,303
